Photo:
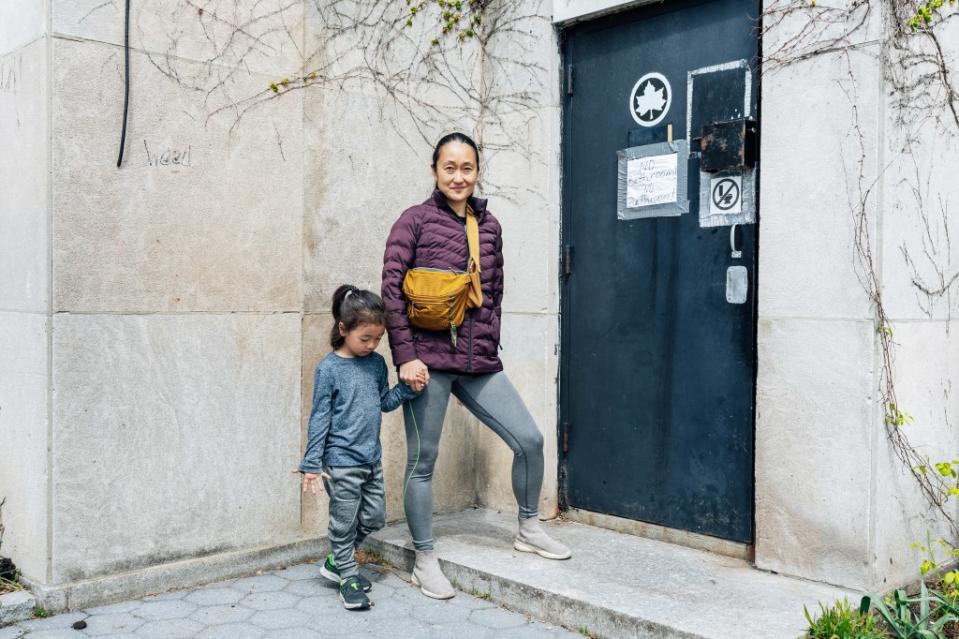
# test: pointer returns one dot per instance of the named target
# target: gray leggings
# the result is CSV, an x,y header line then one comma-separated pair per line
x,y
492,399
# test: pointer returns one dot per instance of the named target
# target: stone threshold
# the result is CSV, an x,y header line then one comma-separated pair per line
x,y
661,533
616,585
183,574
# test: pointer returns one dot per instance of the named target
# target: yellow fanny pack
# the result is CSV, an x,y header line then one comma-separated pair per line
x,y
438,299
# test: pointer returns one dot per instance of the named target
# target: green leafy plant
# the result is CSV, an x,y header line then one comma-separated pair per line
x,y
946,602
896,417
488,596
842,621
460,17
912,617
949,583
949,580
925,11
40,612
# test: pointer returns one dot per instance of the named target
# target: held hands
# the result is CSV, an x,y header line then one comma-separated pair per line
x,y
311,480
415,374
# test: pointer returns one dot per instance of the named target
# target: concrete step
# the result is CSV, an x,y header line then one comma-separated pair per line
x,y
616,585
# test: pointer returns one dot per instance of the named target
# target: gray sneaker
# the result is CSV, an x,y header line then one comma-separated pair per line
x,y
532,538
430,578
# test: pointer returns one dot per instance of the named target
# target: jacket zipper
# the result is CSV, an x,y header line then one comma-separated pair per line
x,y
469,343
439,270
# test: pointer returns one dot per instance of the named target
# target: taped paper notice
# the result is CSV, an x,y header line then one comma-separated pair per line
x,y
651,181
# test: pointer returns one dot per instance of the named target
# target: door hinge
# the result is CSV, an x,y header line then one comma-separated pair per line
x,y
569,79
565,437
567,260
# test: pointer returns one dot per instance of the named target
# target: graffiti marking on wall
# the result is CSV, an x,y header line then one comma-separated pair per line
x,y
11,73
169,156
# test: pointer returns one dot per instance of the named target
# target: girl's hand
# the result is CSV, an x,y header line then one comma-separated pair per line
x,y
311,481
415,374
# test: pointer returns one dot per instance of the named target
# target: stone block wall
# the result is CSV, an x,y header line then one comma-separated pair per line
x,y
843,166
24,283
160,321
176,292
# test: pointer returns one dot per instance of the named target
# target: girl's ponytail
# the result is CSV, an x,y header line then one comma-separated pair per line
x,y
352,307
336,340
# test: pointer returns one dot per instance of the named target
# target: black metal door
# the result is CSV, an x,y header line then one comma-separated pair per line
x,y
658,324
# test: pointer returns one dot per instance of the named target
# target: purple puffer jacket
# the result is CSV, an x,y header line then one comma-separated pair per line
x,y
431,235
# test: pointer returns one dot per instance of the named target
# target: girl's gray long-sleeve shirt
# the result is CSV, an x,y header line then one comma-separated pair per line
x,y
349,396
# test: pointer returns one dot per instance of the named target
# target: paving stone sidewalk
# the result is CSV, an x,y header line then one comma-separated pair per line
x,y
295,603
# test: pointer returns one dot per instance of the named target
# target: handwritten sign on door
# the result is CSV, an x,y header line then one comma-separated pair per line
x,y
652,180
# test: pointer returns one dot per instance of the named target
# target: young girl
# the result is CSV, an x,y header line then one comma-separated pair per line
x,y
350,390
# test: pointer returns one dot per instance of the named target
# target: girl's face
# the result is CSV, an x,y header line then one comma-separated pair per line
x,y
362,340
456,172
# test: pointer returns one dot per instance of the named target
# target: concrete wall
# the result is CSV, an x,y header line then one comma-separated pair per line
x,y
919,196
156,392
24,289
176,290
816,423
833,503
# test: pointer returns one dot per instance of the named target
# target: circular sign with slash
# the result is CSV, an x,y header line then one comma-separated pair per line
x,y
725,195
650,99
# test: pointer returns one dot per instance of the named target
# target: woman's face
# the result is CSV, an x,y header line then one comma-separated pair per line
x,y
456,172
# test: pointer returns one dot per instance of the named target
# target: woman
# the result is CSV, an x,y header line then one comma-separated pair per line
x,y
433,235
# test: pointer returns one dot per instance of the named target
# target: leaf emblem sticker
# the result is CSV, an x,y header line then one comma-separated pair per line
x,y
650,99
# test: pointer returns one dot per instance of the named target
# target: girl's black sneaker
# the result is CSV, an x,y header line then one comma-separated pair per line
x,y
352,595
331,572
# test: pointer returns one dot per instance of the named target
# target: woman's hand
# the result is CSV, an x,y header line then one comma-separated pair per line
x,y
311,481
415,374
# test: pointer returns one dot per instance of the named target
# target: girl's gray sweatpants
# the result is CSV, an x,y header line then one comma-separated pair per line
x,y
357,508
492,399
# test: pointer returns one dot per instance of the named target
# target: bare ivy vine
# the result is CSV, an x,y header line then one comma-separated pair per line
x,y
431,64
922,91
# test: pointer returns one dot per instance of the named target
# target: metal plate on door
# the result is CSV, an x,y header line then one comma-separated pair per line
x,y
737,284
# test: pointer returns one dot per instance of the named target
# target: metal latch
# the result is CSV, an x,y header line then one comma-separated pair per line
x,y
737,284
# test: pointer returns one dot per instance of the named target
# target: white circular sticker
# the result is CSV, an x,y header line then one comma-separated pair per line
x,y
650,99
